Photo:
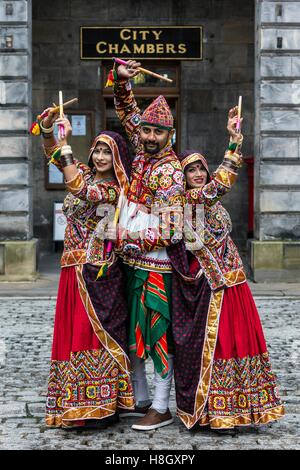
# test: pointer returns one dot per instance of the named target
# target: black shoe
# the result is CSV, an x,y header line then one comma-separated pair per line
x,y
137,412
226,431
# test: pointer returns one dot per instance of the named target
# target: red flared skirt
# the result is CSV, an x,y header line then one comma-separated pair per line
x,y
240,331
243,387
73,331
86,382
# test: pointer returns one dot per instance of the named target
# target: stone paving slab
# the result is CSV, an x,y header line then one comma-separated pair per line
x,y
25,348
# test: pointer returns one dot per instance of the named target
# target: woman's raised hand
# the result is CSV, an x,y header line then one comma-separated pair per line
x,y
50,119
231,124
68,130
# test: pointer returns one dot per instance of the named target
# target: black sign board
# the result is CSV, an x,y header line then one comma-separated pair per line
x,y
147,42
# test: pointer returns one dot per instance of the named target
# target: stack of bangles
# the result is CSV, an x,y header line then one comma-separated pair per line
x,y
66,156
232,159
46,131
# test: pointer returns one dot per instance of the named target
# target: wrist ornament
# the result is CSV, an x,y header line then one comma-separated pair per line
x,y
232,160
46,130
66,156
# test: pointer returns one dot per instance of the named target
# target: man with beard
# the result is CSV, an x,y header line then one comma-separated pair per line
x,y
156,181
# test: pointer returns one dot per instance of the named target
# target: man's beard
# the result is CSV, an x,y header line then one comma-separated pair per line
x,y
153,150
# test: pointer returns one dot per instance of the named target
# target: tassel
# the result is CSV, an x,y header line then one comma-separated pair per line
x,y
103,271
110,79
55,156
35,129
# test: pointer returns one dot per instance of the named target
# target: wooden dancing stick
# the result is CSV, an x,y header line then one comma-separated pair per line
x,y
61,127
238,124
61,104
35,127
56,108
146,71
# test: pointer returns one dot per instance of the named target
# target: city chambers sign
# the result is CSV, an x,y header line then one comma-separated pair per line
x,y
162,42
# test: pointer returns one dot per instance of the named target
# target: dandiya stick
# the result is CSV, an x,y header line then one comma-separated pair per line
x,y
56,108
238,124
61,127
146,71
123,193
103,270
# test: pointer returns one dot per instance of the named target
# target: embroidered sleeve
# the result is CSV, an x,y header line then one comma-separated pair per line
x,y
221,182
93,192
128,111
49,151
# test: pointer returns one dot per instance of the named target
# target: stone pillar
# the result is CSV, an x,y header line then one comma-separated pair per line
x,y
17,247
275,252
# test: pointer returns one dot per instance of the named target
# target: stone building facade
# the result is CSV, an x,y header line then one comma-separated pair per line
x,y
249,49
275,252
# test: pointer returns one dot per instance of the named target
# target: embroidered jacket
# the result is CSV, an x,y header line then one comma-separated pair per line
x,y
83,241
156,181
218,256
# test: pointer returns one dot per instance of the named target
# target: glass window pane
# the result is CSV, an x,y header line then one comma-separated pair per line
x,y
146,81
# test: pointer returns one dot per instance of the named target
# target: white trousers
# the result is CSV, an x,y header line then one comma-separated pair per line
x,y
162,387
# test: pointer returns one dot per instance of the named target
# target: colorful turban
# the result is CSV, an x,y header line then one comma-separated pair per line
x,y
158,114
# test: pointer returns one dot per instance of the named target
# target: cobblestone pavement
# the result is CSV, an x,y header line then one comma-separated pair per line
x,y
25,345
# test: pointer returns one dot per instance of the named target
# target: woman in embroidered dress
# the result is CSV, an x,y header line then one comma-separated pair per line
x,y
89,375
235,382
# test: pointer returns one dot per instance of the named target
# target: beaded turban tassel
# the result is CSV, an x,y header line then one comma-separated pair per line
x,y
158,114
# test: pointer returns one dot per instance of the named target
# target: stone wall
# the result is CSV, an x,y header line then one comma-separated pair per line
x,y
15,115
277,141
208,87
278,138
17,248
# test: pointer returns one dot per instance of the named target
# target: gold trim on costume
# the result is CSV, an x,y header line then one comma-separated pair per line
x,y
78,413
75,184
209,346
234,278
113,348
242,420
73,258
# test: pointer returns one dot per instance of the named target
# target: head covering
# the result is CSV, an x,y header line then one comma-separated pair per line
x,y
192,156
120,152
158,114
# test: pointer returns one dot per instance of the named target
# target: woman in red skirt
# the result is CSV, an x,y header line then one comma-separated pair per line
x,y
89,374
235,384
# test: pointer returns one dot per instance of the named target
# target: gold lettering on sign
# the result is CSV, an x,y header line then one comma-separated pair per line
x,y
157,34
139,49
113,48
150,49
125,49
170,48
182,48
98,47
144,34
123,36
